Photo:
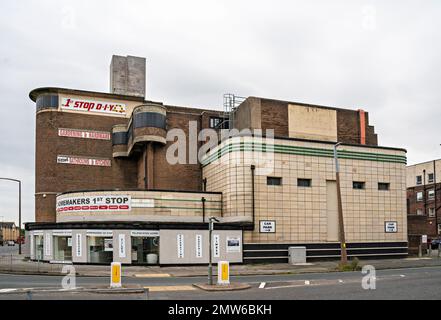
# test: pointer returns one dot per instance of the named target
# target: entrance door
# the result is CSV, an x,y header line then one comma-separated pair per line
x,y
145,250
332,210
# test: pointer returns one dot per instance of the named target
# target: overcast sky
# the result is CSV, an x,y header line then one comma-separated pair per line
x,y
382,56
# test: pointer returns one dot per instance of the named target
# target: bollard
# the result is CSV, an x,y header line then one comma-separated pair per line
x,y
420,251
439,249
430,249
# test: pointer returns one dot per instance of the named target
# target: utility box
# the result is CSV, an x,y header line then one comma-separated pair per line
x,y
296,255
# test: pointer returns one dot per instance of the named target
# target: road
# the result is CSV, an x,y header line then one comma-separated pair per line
x,y
415,283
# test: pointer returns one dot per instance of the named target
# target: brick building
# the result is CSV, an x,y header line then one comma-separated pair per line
x,y
423,201
109,186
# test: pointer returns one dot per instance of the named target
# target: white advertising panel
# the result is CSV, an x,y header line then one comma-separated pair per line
x,y
94,106
84,161
216,246
122,245
108,244
233,244
47,244
198,246
78,245
94,203
180,243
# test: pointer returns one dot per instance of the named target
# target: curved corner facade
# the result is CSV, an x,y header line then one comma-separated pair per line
x,y
109,186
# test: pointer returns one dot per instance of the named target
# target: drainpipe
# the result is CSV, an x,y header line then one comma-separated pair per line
x,y
253,168
424,191
434,189
203,209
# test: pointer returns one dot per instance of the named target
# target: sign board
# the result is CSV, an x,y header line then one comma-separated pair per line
x,y
424,238
180,244
144,233
94,106
69,242
267,226
62,233
198,246
233,244
390,227
115,274
94,203
122,245
216,246
84,161
78,244
84,134
99,233
223,272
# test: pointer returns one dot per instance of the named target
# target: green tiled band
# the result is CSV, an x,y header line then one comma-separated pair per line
x,y
304,151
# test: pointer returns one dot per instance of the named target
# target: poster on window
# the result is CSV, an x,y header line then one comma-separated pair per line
x,y
233,244
108,244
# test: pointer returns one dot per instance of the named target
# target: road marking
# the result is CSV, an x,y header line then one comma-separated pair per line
x,y
340,281
152,275
307,282
170,288
402,275
7,290
262,285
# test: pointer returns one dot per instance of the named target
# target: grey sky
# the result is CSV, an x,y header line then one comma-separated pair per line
x,y
382,56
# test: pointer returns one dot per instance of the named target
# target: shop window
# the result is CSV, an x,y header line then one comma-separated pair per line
x,y
273,181
62,248
100,250
430,178
419,196
432,212
358,185
303,182
419,180
383,186
431,194
145,250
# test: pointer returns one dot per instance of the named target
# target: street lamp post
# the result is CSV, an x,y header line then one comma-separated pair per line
x,y
211,221
19,210
344,256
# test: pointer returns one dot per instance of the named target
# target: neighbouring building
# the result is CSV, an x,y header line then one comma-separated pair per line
x,y
423,201
9,231
118,179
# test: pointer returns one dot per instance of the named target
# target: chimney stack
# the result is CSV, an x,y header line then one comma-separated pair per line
x,y
127,76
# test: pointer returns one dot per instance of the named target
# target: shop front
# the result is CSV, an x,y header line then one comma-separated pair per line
x,y
99,246
62,243
145,247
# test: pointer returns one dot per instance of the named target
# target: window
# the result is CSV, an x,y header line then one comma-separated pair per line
x,y
431,212
357,185
419,196
273,181
419,180
431,194
303,182
215,122
419,212
430,177
383,186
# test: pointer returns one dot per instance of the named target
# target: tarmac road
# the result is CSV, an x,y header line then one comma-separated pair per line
x,y
411,283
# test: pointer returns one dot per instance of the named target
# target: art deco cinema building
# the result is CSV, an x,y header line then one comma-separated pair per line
x,y
106,190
